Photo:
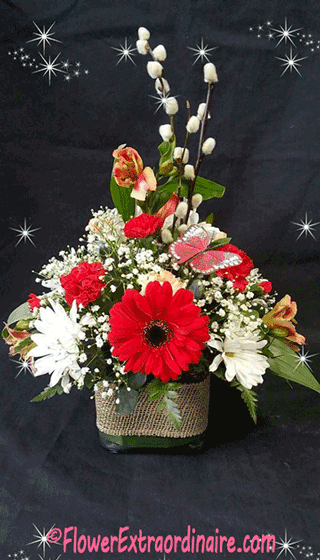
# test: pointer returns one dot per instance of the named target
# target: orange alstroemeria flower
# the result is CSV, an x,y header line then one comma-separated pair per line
x,y
168,208
14,338
128,171
280,318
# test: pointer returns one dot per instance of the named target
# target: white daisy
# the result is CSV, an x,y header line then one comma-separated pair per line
x,y
57,349
242,358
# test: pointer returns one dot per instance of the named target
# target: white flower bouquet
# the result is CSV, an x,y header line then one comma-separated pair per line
x,y
153,298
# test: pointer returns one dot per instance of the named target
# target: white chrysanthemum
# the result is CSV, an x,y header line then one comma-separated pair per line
x,y
242,358
57,349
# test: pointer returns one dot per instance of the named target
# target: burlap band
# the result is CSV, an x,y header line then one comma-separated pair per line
x,y
146,420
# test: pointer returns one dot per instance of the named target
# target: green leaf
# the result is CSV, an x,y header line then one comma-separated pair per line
x,y
250,398
20,313
122,200
156,389
166,150
127,401
210,218
166,393
208,189
48,393
171,409
286,364
136,380
221,242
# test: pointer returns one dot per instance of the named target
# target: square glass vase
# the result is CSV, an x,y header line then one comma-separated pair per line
x,y
147,428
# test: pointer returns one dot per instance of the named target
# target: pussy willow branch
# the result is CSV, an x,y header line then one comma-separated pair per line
x,y
200,153
181,165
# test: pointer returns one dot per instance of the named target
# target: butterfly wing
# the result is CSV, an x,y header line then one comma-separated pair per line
x,y
210,261
191,243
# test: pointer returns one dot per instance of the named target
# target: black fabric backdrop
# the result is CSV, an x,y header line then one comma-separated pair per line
x,y
56,146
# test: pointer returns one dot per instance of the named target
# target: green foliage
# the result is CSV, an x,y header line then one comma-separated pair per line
x,y
122,199
137,380
166,150
210,218
48,393
127,400
20,313
208,189
250,398
221,242
285,363
166,393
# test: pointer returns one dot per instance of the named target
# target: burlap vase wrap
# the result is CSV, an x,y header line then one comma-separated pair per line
x,y
147,420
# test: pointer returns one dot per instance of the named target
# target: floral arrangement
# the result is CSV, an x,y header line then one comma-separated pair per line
x,y
153,297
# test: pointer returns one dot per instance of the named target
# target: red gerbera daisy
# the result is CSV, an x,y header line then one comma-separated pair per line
x,y
158,333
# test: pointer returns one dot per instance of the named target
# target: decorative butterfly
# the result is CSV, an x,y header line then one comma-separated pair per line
x,y
193,244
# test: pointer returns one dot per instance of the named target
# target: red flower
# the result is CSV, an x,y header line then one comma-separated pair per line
x,y
142,225
83,283
33,301
266,286
159,333
241,269
240,283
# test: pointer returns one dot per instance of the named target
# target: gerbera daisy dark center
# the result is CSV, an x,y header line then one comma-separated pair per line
x,y
157,333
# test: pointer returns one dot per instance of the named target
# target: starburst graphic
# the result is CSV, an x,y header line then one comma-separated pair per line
x,y
286,33
25,233
291,62
202,51
306,227
65,64
49,67
286,545
125,52
44,37
23,366
42,538
161,100
304,358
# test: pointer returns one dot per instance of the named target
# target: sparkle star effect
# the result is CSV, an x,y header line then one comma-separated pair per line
x,y
24,366
49,67
306,227
125,52
291,62
286,33
304,358
286,545
65,64
25,233
202,52
161,100
44,36
41,538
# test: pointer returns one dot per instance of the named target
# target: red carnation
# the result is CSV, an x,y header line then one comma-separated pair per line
x,y
240,283
83,283
158,333
266,286
142,225
33,302
242,269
